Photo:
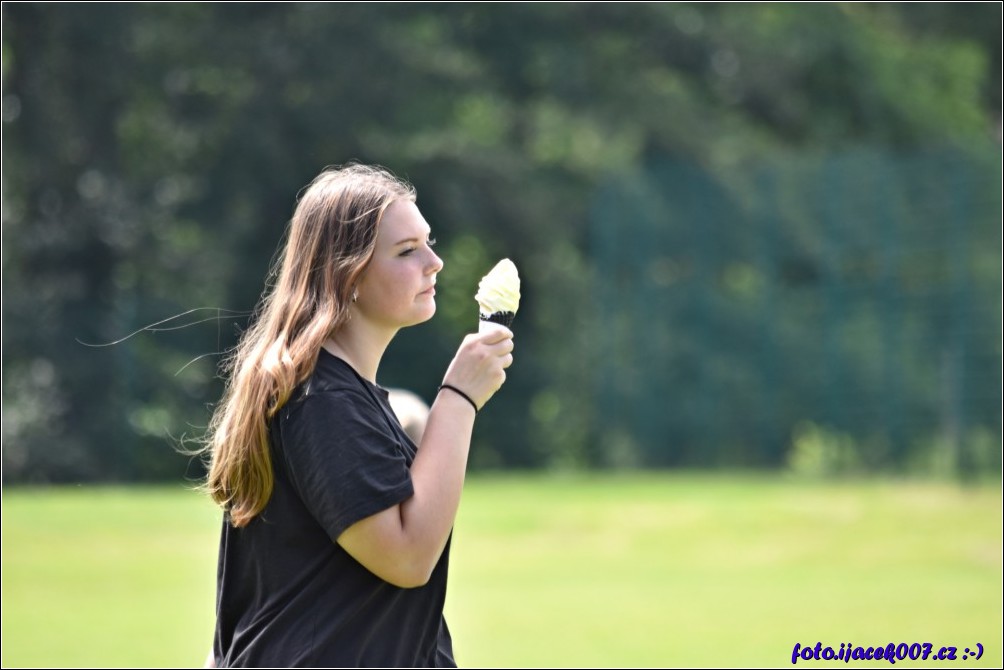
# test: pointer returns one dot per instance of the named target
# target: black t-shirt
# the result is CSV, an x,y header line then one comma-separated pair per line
x,y
287,593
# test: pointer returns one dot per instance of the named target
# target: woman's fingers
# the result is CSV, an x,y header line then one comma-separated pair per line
x,y
480,363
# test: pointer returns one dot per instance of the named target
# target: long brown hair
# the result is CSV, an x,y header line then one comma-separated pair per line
x,y
329,243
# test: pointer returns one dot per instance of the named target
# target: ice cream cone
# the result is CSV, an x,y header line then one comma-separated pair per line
x,y
489,321
498,296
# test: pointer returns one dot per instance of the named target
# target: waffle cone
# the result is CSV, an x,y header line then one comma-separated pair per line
x,y
501,318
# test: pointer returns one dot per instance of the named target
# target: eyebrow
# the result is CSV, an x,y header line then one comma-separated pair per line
x,y
412,239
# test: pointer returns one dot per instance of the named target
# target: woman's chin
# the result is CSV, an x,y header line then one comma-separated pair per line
x,y
426,312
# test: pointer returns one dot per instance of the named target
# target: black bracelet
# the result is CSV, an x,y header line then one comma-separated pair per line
x,y
461,393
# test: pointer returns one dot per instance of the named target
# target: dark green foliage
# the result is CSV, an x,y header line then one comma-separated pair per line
x,y
684,187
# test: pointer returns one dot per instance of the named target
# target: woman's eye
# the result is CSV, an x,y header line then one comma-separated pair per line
x,y
431,242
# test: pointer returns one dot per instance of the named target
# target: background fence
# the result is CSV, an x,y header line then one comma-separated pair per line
x,y
840,310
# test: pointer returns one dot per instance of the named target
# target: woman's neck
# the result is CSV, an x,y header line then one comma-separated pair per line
x,y
360,347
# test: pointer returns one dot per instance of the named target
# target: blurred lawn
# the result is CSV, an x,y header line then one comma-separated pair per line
x,y
625,570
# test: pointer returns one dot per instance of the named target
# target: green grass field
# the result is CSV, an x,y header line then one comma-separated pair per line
x,y
624,571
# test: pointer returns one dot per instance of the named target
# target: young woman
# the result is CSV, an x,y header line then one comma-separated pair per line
x,y
335,542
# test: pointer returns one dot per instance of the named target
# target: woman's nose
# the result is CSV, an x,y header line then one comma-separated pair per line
x,y
435,264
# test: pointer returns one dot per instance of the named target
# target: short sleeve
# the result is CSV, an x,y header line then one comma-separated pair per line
x,y
343,458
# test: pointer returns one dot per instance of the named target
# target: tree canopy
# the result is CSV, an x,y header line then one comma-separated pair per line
x,y
750,234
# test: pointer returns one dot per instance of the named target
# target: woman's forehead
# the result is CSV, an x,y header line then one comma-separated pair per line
x,y
401,221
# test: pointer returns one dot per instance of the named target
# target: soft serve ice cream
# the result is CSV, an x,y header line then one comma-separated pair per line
x,y
498,294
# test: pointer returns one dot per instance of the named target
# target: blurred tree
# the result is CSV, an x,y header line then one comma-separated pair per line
x,y
152,154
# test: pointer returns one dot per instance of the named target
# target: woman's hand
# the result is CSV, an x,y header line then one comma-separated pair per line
x,y
478,369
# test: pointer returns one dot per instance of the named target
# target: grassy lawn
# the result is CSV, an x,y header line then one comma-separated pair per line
x,y
624,570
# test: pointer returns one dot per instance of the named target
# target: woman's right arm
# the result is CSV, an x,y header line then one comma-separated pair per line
x,y
402,544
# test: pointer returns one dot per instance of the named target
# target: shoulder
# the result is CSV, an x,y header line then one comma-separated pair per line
x,y
332,381
330,423
331,374
330,405
333,396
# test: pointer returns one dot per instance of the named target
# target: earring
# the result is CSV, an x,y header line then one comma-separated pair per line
x,y
355,294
